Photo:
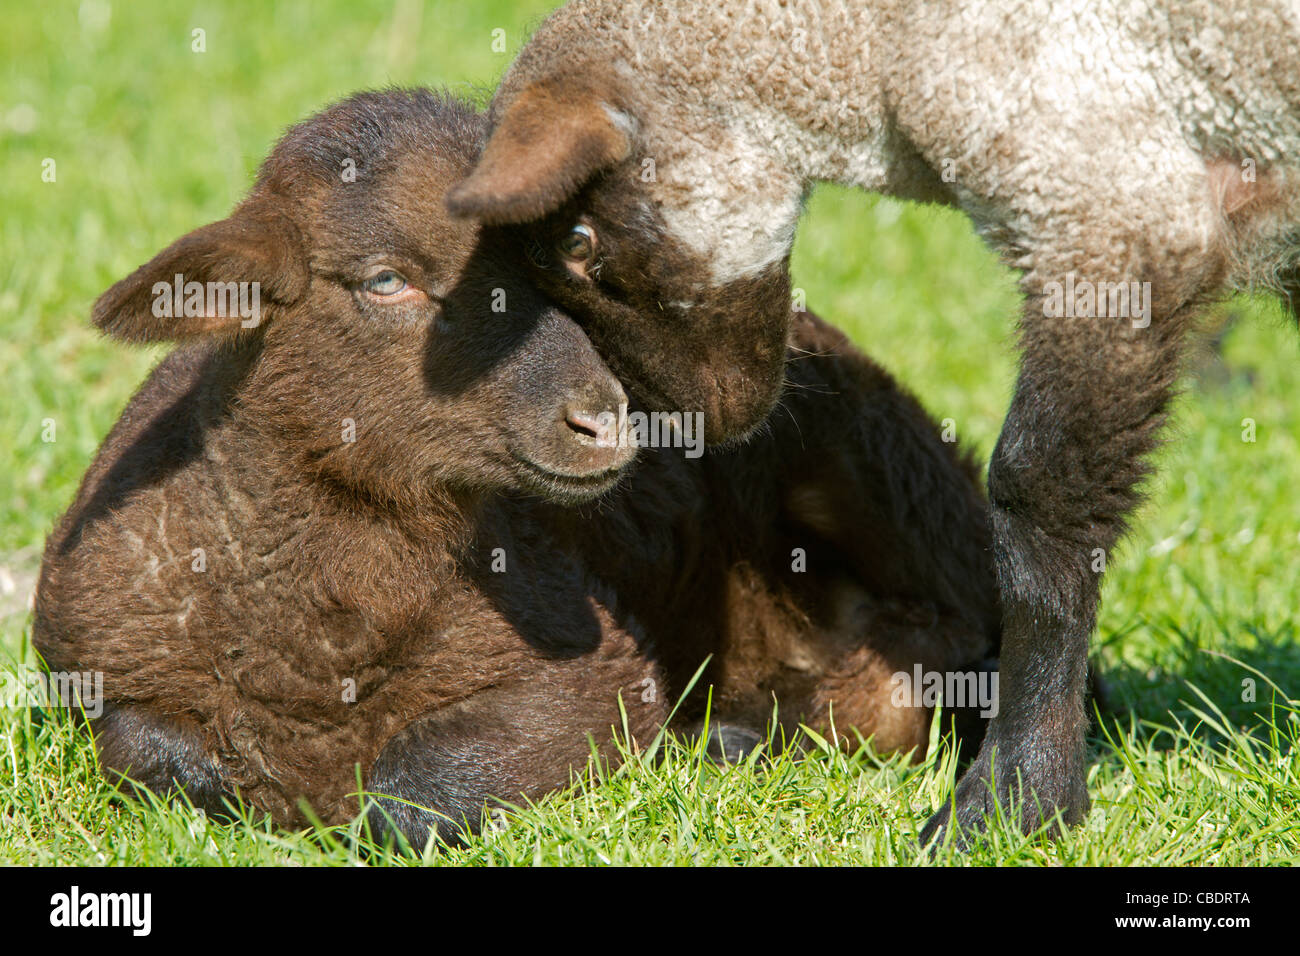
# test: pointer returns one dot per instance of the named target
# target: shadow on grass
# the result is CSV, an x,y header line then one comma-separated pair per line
x,y
1241,676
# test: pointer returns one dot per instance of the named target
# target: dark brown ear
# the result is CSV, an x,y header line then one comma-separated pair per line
x,y
217,280
551,139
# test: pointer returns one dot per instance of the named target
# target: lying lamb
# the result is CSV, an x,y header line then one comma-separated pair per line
x,y
365,527
1142,155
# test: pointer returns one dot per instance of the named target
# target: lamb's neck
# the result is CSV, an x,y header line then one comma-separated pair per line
x,y
742,105
262,481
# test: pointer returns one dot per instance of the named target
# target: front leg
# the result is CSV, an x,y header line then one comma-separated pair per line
x,y
1089,402
509,743
142,748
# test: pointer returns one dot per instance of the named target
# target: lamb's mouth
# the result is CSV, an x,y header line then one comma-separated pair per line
x,y
564,485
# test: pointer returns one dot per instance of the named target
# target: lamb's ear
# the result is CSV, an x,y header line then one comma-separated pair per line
x,y
215,281
551,139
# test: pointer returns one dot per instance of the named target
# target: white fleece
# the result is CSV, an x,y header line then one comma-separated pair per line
x,y
1078,134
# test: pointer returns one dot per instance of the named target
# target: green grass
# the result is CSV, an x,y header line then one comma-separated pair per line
x,y
151,140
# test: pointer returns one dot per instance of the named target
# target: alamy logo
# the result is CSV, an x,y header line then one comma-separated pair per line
x,y
178,298
75,908
1098,300
951,688
653,430
73,690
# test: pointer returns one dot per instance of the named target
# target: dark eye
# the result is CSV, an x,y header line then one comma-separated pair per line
x,y
387,282
537,254
579,244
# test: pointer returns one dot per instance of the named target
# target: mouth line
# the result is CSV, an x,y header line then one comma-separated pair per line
x,y
549,480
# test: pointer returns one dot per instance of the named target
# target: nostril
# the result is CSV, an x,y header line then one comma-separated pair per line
x,y
594,426
582,423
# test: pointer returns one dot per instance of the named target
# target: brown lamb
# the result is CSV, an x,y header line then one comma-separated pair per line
x,y
383,529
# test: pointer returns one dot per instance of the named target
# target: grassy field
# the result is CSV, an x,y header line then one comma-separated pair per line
x,y
150,139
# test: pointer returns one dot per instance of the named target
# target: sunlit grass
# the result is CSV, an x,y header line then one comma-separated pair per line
x,y
1197,764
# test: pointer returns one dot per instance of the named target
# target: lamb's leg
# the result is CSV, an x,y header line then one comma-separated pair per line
x,y
1088,406
142,748
727,742
509,742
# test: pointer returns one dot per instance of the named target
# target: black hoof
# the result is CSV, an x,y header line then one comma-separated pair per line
x,y
728,743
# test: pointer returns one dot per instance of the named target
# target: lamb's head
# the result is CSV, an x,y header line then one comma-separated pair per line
x,y
384,344
665,233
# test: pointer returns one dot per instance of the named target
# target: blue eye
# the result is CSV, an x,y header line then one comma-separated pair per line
x,y
387,282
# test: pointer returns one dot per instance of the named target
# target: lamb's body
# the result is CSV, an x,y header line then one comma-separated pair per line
x,y
1151,145
315,633
310,629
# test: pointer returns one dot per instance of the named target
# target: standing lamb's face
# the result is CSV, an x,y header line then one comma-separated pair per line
x,y
397,348
654,269
681,342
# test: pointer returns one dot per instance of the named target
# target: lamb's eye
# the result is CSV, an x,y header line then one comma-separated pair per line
x,y
536,254
385,283
578,244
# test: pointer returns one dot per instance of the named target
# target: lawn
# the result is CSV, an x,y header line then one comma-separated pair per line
x,y
1199,639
